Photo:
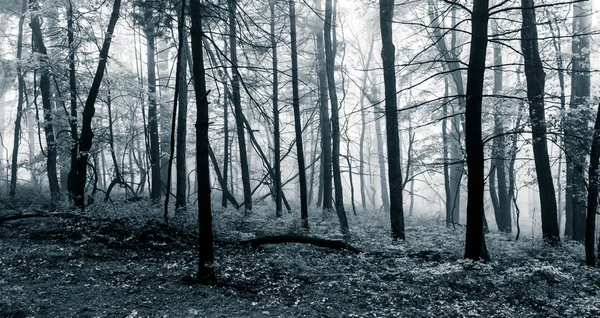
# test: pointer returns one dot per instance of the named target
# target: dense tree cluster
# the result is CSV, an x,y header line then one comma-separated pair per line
x,y
102,91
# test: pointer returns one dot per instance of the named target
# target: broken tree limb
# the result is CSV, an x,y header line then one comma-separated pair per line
x,y
39,214
302,239
223,183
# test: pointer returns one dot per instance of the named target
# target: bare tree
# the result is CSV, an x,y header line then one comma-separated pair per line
x,y
386,15
475,240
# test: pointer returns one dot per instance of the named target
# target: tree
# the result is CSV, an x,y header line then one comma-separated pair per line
x,y
499,192
475,247
150,30
237,104
324,120
181,192
297,122
592,196
20,101
78,173
40,48
205,238
335,120
536,79
451,59
275,97
386,15
576,132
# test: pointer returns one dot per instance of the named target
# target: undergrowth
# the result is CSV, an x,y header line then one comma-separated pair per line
x,y
126,263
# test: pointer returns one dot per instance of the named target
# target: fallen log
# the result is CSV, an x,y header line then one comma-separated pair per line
x,y
294,238
64,215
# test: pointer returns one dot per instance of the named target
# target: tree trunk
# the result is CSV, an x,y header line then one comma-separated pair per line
x,y
79,171
576,131
386,15
21,100
377,113
475,247
40,48
205,247
561,81
276,134
452,62
503,216
592,196
181,192
237,103
156,190
363,128
297,123
536,79
335,120
325,186
445,144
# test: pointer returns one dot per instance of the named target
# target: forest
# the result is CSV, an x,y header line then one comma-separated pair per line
x,y
310,158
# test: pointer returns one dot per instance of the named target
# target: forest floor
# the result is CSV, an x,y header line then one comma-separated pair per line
x,y
137,267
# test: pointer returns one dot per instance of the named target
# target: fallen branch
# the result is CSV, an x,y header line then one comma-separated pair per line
x,y
302,239
39,214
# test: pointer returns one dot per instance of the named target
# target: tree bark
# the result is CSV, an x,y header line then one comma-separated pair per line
x,y
297,123
237,103
386,15
536,79
335,120
205,239
475,247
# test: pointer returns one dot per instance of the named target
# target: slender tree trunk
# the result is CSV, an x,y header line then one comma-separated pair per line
x,y
536,79
40,48
363,128
237,103
297,123
445,142
475,247
452,62
205,247
325,186
20,101
156,190
377,113
592,196
503,215
576,130
386,15
276,134
181,192
79,171
180,68
561,81
335,120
